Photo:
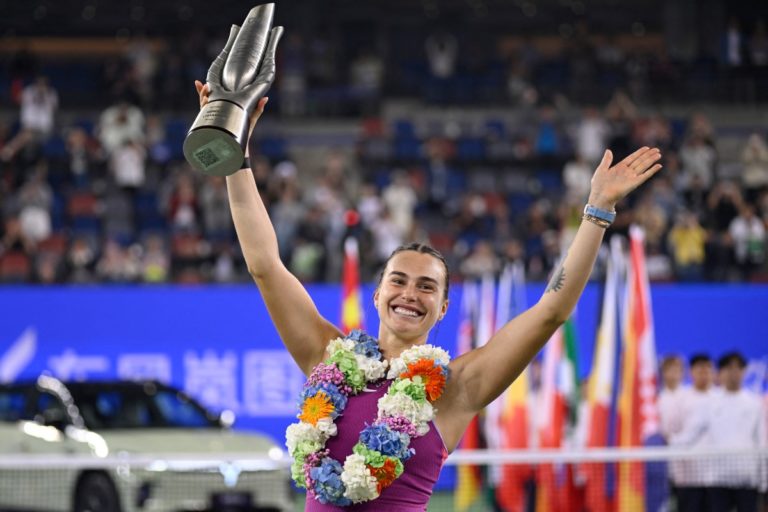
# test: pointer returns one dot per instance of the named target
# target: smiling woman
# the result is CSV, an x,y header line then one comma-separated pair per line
x,y
398,426
411,296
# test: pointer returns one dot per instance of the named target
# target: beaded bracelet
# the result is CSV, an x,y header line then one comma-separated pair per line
x,y
596,220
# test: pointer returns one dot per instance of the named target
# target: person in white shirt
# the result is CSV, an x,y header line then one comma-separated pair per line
x,y
39,104
689,476
671,397
732,419
738,422
119,123
749,240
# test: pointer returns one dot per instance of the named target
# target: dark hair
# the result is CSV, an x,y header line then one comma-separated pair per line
x,y
422,249
668,361
729,358
699,357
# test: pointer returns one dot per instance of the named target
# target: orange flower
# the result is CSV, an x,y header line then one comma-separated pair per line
x,y
431,375
384,475
315,408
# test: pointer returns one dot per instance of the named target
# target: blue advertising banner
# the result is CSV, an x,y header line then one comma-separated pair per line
x,y
218,343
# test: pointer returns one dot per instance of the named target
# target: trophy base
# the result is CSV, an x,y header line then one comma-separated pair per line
x,y
214,143
213,151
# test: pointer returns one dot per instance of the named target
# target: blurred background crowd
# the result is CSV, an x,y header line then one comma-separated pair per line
x,y
474,126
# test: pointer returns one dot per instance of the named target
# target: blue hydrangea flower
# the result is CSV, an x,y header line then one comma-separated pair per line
x,y
328,485
365,345
338,399
388,442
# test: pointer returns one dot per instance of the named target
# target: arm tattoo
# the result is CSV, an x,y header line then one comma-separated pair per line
x,y
557,281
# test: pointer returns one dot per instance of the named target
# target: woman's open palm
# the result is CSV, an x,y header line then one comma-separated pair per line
x,y
611,184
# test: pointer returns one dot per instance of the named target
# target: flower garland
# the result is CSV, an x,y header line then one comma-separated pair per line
x,y
404,412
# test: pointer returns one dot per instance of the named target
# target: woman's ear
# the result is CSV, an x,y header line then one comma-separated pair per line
x,y
376,298
444,309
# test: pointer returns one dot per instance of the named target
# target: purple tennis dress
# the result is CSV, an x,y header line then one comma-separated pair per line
x,y
410,492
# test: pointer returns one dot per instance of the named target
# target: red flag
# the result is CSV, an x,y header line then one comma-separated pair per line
x,y
351,306
510,493
638,417
558,386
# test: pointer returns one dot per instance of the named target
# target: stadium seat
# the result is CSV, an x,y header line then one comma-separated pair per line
x,y
273,148
550,180
15,267
56,244
86,224
496,128
82,204
403,129
407,148
55,148
470,148
175,133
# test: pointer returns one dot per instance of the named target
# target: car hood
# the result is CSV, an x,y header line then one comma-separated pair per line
x,y
193,441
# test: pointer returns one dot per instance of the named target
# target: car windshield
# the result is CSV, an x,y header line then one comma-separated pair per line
x,y
13,405
104,407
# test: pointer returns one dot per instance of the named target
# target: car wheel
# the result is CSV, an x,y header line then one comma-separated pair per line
x,y
96,493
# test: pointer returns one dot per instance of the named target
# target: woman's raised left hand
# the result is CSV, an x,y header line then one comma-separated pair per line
x,y
610,184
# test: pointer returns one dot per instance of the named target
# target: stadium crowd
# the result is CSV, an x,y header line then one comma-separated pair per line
x,y
108,197
114,204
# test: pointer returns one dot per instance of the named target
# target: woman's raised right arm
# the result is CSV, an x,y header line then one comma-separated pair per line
x,y
303,330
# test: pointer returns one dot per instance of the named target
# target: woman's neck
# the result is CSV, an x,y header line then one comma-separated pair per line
x,y
391,346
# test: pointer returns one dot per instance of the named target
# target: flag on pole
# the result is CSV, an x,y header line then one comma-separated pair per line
x,y
552,411
489,418
469,477
559,386
638,416
352,316
570,388
514,427
601,383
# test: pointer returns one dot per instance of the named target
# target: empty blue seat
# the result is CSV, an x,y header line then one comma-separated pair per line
x,y
407,148
404,128
175,133
471,148
273,148
496,128
55,147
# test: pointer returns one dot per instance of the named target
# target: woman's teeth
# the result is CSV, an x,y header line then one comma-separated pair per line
x,y
406,312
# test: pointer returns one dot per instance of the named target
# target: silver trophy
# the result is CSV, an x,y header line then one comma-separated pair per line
x,y
238,78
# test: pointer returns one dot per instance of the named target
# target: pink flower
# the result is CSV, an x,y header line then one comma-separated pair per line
x,y
400,424
328,373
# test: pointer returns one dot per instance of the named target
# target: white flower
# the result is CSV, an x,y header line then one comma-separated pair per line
x,y
302,432
373,369
401,404
396,367
360,484
417,352
341,344
326,427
